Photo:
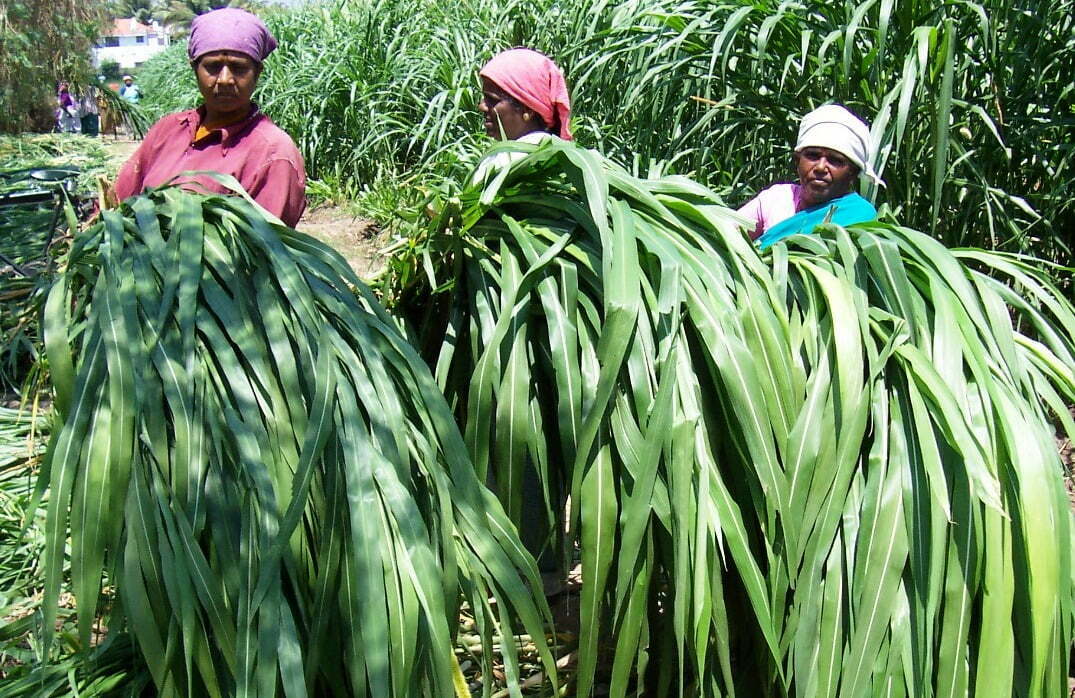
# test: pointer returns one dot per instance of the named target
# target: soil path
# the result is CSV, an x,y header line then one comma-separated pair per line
x,y
358,239
119,149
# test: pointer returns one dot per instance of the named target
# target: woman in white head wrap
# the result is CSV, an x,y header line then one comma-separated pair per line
x,y
832,151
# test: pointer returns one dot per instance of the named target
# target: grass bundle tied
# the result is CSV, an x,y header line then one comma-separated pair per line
x,y
261,468
827,470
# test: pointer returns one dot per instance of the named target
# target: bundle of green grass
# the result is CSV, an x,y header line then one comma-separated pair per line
x,y
261,469
828,470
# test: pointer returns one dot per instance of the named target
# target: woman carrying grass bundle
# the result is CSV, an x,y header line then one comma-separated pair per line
x,y
227,133
524,98
832,151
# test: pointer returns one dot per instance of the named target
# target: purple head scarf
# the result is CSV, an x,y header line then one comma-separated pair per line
x,y
229,29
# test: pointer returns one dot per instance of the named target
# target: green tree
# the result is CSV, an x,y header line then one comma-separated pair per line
x,y
141,10
41,43
178,14
110,70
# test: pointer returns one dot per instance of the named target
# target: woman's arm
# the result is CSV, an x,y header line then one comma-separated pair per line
x,y
280,188
752,210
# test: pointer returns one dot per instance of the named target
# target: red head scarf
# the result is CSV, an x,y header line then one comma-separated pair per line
x,y
534,80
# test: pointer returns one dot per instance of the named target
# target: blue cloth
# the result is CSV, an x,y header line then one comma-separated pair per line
x,y
846,210
132,93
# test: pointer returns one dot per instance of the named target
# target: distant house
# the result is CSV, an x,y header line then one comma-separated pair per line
x,y
130,43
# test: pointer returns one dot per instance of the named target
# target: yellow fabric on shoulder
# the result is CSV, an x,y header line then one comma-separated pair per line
x,y
203,132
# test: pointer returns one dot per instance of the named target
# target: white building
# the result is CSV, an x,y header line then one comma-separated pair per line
x,y
129,43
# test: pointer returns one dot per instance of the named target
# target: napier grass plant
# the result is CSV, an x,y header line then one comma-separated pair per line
x,y
22,436
261,469
972,120
828,471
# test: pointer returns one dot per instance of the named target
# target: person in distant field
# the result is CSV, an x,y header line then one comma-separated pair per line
x,y
130,90
131,93
90,111
67,115
108,120
524,98
227,133
831,153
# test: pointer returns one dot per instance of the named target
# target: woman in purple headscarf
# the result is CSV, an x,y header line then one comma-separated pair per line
x,y
67,115
227,133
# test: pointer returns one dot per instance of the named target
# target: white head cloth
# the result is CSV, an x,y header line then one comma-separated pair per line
x,y
834,127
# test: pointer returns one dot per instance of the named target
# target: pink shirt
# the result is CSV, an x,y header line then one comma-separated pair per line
x,y
777,203
255,151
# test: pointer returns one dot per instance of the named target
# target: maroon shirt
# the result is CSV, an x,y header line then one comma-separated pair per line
x,y
255,151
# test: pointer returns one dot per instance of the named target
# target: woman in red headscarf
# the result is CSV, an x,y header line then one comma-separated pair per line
x,y
227,133
524,98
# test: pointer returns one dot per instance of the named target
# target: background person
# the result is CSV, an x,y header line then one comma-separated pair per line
x,y
130,90
524,98
131,93
89,110
832,151
227,133
108,120
67,118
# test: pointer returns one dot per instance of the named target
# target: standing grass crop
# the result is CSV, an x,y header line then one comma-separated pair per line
x,y
971,119
825,471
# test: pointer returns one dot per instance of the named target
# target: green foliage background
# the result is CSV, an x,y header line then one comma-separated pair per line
x,y
973,122
40,44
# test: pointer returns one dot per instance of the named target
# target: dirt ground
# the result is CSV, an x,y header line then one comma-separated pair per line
x,y
119,149
358,239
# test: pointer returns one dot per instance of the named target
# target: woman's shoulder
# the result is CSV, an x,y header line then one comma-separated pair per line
x,y
536,137
275,140
778,199
498,161
177,120
781,190
862,202
168,129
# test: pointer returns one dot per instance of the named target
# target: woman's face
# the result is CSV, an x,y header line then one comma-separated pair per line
x,y
227,80
824,174
505,118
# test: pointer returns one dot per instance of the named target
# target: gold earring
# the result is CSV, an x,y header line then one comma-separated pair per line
x,y
526,117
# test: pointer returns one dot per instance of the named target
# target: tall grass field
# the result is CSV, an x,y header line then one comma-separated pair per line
x,y
972,120
824,469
